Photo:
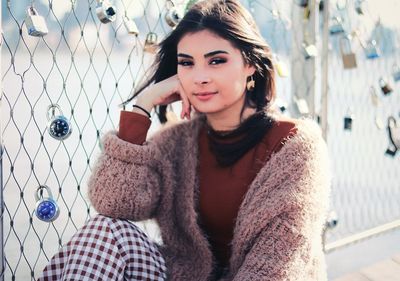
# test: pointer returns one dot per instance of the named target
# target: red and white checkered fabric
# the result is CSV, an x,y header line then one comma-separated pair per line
x,y
107,249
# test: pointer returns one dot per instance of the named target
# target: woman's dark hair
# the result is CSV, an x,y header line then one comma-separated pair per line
x,y
231,21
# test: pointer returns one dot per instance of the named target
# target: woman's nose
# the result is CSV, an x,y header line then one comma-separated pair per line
x,y
200,79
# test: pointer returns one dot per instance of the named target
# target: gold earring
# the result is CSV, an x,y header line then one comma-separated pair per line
x,y
251,84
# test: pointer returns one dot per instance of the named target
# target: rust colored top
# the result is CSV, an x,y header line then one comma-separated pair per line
x,y
222,189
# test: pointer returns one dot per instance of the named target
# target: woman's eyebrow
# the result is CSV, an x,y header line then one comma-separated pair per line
x,y
210,54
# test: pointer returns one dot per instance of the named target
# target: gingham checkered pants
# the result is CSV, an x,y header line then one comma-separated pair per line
x,y
107,249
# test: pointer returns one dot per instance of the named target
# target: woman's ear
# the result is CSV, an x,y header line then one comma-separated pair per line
x,y
250,70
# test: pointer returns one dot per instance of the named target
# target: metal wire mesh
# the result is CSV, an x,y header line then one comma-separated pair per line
x,y
88,68
366,188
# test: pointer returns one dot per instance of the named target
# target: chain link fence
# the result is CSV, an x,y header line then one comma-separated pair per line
x,y
88,68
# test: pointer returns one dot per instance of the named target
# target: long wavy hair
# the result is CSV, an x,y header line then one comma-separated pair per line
x,y
231,21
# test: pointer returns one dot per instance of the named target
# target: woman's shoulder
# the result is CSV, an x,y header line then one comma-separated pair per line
x,y
300,131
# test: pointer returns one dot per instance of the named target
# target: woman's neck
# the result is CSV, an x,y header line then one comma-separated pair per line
x,y
226,121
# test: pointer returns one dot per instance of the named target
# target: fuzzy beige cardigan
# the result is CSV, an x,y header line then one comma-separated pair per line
x,y
277,235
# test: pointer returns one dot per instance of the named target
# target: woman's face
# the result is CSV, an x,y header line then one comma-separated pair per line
x,y
212,73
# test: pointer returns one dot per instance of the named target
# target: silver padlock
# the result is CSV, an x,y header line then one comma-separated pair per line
x,y
130,26
379,122
371,50
59,127
302,106
150,45
105,11
309,50
46,207
396,73
336,26
385,87
35,24
348,56
374,97
173,17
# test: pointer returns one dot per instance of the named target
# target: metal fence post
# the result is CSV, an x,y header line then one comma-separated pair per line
x,y
1,165
304,19
325,71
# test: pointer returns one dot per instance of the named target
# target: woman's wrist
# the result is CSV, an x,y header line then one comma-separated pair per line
x,y
143,106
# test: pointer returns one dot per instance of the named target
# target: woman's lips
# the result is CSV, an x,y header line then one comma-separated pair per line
x,y
205,96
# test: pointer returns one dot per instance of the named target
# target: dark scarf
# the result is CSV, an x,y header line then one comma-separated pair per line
x,y
229,146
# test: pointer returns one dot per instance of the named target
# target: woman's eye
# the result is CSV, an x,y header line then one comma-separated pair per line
x,y
185,63
217,61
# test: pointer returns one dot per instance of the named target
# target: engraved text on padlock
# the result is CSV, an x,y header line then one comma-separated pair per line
x,y
46,208
35,24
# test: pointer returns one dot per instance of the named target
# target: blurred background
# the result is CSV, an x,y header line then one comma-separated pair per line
x,y
67,65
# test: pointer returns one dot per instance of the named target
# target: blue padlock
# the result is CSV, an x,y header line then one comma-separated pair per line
x,y
46,208
336,25
371,50
59,126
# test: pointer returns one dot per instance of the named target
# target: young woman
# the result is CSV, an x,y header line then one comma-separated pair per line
x,y
239,192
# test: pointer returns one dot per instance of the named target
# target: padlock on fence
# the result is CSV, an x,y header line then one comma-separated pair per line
x,y
46,207
281,67
173,15
130,26
336,26
393,130
59,127
35,24
371,50
151,43
385,87
302,106
348,56
105,11
348,120
359,6
374,97
331,220
309,50
379,122
396,73
302,3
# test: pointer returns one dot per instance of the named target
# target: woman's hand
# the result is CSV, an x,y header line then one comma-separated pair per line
x,y
163,93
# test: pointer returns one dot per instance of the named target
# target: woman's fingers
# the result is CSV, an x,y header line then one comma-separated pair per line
x,y
185,103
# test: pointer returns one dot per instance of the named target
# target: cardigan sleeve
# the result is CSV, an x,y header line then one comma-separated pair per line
x,y
133,127
289,217
125,181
